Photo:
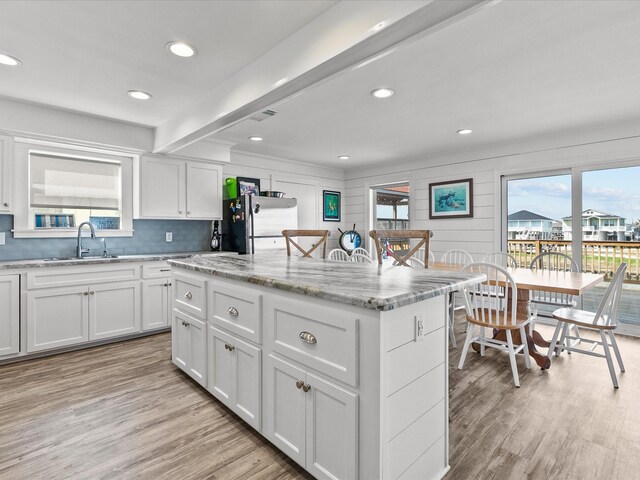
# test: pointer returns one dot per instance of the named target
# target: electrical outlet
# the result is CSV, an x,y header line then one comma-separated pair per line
x,y
2,240
168,237
420,332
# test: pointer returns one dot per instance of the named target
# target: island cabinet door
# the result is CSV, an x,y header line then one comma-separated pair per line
x,y
234,372
331,430
286,408
189,346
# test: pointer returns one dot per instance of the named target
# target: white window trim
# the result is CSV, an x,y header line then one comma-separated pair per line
x,y
23,224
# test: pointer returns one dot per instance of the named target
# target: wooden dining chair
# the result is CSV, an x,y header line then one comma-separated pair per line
x,y
381,236
323,236
338,255
604,321
503,259
484,312
558,262
457,259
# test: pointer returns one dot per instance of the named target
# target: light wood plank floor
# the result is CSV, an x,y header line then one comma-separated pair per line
x,y
124,411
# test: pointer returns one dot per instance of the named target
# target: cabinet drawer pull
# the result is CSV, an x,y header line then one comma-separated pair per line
x,y
306,387
188,295
165,269
299,384
308,337
233,311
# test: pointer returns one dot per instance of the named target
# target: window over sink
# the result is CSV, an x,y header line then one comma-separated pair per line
x,y
68,185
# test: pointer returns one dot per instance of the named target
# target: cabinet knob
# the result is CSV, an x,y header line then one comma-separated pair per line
x,y
85,293
188,212
165,284
92,293
181,212
299,384
306,387
229,347
5,204
307,337
188,295
233,311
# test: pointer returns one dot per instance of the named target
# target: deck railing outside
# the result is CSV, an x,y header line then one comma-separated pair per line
x,y
597,257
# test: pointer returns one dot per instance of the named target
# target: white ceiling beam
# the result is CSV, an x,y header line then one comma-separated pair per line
x,y
342,37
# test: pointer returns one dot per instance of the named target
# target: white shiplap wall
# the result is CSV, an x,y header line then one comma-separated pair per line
x,y
609,147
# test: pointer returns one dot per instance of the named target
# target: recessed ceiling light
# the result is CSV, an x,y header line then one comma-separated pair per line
x,y
9,60
382,92
255,139
181,49
344,157
465,131
139,95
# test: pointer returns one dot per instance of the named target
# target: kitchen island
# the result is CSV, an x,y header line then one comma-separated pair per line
x,y
342,366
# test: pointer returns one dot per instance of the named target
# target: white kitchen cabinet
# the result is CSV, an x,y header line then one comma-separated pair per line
x,y
9,314
234,374
57,317
312,420
156,303
114,309
6,144
173,188
189,346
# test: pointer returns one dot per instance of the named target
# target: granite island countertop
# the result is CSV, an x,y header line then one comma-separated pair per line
x,y
67,262
359,284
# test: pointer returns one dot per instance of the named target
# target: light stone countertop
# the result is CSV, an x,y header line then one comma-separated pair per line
x,y
362,285
67,262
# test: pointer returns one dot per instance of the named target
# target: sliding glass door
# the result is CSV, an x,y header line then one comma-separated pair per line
x,y
593,215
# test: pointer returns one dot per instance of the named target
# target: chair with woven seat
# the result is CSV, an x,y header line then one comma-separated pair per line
x,y
604,321
382,236
457,259
338,255
558,262
321,234
484,312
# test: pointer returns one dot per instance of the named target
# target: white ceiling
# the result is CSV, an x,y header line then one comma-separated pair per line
x,y
516,70
86,55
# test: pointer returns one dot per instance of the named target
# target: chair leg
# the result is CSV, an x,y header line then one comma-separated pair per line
x,y
527,360
482,347
452,335
512,359
554,340
607,354
465,348
563,339
616,350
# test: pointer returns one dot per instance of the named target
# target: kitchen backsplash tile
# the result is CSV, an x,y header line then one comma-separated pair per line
x,y
148,237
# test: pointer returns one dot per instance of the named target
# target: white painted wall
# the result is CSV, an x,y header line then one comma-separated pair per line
x,y
276,174
609,147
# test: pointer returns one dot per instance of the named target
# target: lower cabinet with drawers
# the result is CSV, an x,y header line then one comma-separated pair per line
x,y
326,383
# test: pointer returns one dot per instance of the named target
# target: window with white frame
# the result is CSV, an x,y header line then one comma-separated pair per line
x,y
67,185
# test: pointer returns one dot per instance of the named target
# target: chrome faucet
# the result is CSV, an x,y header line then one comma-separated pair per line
x,y
81,250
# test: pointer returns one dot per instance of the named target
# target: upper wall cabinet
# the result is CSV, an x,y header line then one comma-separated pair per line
x,y
5,173
174,188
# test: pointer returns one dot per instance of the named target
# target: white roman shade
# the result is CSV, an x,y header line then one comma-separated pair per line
x,y
62,182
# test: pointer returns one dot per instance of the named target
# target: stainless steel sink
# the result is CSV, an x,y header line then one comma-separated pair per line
x,y
68,259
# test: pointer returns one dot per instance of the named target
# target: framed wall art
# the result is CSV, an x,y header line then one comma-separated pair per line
x,y
330,206
452,199
248,186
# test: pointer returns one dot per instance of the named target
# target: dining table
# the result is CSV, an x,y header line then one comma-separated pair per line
x,y
527,280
